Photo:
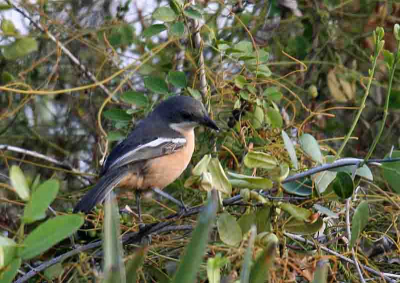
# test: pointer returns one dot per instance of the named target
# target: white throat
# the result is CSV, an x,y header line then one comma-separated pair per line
x,y
183,127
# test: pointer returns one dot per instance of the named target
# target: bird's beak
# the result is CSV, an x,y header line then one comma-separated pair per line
x,y
208,122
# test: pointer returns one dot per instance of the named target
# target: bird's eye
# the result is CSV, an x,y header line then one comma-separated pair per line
x,y
186,116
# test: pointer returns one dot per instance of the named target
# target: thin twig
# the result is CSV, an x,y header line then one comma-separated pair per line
x,y
63,48
386,276
349,237
198,46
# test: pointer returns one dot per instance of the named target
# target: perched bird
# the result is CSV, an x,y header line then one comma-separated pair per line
x,y
154,154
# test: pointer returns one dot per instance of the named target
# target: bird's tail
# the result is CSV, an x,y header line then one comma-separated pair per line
x,y
98,193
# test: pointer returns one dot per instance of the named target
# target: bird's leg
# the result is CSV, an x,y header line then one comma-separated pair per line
x,y
138,207
180,204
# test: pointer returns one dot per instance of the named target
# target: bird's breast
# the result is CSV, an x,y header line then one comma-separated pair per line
x,y
163,170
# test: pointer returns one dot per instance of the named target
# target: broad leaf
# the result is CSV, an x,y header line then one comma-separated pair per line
x,y
391,172
41,198
117,115
311,147
20,48
164,14
177,79
219,179
177,29
256,159
154,30
136,98
343,185
156,84
19,183
50,233
229,230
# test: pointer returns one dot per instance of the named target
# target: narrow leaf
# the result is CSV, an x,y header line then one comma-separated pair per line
x,y
359,221
245,272
190,263
321,271
297,212
290,149
114,268
260,270
133,265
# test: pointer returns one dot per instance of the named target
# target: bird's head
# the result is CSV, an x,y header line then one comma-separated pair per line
x,y
184,113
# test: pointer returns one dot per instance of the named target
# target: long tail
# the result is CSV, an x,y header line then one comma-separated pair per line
x,y
98,193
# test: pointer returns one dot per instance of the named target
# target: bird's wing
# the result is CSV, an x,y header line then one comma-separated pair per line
x,y
155,148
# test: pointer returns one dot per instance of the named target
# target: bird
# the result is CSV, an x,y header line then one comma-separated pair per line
x,y
154,154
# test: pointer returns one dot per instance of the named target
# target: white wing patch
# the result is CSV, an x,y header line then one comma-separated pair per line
x,y
150,150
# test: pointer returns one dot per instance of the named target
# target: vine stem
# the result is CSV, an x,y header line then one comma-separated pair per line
x,y
385,110
378,50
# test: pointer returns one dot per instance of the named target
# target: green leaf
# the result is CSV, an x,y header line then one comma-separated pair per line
x,y
343,185
301,187
323,179
229,230
297,212
201,167
245,272
164,14
194,252
117,115
54,271
214,268
50,233
244,47
246,221
194,93
154,30
136,98
41,198
19,183
303,228
115,136
263,219
193,14
388,57
321,271
8,251
9,272
257,117
264,262
177,29
391,172
156,84
250,182
133,265
274,117
290,149
256,159
114,268
358,222
240,81
273,94
177,79
219,179
311,147
8,27
20,48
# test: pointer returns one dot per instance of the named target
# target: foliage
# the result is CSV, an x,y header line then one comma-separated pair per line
x,y
292,85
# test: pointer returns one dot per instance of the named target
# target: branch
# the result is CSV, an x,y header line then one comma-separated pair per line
x,y
387,276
